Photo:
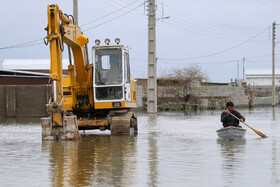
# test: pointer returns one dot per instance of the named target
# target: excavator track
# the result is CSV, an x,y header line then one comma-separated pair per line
x,y
123,123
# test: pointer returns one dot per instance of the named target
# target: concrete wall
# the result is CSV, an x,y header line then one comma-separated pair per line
x,y
220,102
241,101
220,91
211,97
265,100
216,96
17,101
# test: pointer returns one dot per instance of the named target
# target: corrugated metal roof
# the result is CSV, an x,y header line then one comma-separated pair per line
x,y
24,72
30,64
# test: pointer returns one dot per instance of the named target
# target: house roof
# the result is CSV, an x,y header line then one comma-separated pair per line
x,y
261,72
4,72
29,64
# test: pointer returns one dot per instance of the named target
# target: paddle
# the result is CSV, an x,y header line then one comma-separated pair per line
x,y
256,131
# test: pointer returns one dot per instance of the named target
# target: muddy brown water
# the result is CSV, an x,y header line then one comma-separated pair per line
x,y
171,149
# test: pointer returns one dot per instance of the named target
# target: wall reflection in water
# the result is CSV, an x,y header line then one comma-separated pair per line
x,y
20,120
94,160
233,152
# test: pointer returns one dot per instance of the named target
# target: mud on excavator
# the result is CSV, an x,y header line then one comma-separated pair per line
x,y
97,95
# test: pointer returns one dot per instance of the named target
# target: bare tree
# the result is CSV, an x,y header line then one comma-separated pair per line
x,y
181,83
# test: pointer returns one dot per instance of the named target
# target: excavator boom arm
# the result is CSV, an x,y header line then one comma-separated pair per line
x,y
62,30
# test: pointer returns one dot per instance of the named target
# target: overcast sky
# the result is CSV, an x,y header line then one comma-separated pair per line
x,y
212,33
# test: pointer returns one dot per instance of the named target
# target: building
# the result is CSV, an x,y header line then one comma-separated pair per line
x,y
262,77
32,65
27,71
13,77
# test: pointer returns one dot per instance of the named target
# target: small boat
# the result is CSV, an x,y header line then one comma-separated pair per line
x,y
231,133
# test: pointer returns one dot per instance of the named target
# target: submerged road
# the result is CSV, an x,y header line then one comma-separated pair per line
x,y
171,149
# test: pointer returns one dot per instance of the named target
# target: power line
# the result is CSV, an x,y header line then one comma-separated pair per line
x,y
110,13
204,63
276,2
219,52
268,5
254,62
268,61
270,55
209,33
113,4
227,61
209,28
137,59
20,45
114,18
206,29
210,22
31,43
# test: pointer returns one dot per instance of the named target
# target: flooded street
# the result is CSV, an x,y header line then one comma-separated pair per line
x,y
171,149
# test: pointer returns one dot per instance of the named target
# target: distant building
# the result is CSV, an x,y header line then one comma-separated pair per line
x,y
32,65
262,77
13,77
27,71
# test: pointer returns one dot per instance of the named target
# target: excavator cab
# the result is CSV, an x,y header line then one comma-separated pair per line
x,y
112,80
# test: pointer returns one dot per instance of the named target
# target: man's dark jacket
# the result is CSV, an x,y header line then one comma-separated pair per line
x,y
229,120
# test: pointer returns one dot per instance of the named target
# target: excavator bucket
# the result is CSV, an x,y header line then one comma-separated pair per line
x,y
67,131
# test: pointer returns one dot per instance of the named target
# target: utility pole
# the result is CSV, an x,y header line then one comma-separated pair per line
x,y
75,11
152,69
237,69
243,68
273,63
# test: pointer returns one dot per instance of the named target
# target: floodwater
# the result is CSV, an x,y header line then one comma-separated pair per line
x,y
171,149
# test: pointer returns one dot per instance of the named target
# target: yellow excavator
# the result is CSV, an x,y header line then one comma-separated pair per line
x,y
98,95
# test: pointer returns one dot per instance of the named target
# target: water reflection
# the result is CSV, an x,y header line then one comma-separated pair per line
x,y
107,160
273,113
171,149
232,152
153,149
275,164
20,120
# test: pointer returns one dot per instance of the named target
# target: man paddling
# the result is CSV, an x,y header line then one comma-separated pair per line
x,y
229,120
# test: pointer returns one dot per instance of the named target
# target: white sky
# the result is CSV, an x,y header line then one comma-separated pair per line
x,y
196,28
